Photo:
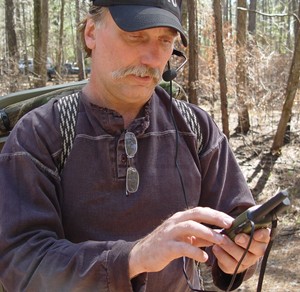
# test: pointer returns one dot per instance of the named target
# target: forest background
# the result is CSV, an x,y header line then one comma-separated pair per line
x,y
243,68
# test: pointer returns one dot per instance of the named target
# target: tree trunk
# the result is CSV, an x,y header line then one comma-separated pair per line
x,y
61,37
18,25
296,23
24,40
193,51
222,65
184,15
291,90
11,43
81,74
225,10
41,27
252,17
241,72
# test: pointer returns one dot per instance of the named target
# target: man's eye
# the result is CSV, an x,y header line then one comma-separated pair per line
x,y
135,37
167,42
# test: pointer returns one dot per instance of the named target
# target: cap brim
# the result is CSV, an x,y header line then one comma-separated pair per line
x,y
133,18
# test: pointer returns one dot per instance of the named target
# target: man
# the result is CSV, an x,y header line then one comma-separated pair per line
x,y
118,217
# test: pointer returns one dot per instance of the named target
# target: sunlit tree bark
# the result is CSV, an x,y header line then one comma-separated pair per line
x,y
12,45
222,65
193,50
41,28
241,71
291,90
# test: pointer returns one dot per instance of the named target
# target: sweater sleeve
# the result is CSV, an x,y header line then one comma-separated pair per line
x,y
35,255
223,188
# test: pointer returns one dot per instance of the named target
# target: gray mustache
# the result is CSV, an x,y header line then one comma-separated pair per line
x,y
140,71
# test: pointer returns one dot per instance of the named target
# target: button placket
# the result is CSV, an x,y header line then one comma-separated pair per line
x,y
121,158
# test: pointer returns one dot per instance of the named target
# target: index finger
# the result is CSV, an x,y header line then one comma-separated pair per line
x,y
205,215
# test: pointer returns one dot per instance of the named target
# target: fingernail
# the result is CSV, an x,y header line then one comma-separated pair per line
x,y
240,239
216,249
259,235
205,256
219,238
227,221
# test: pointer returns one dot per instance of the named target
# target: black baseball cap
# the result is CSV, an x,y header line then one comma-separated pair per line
x,y
134,15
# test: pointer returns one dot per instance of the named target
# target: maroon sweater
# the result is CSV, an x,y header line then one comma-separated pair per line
x,y
74,231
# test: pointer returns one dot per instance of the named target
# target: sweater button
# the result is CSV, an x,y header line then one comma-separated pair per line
x,y
123,158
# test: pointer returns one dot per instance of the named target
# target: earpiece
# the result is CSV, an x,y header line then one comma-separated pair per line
x,y
171,74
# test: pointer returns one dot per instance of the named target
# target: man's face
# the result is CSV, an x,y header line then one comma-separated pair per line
x,y
128,65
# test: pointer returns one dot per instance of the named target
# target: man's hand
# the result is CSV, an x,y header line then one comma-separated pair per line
x,y
229,253
180,235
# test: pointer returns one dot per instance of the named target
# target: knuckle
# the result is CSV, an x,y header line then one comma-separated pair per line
x,y
248,261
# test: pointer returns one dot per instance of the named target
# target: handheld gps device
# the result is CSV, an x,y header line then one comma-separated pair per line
x,y
261,215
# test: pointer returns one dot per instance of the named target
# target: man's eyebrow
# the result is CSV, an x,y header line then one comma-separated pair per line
x,y
172,31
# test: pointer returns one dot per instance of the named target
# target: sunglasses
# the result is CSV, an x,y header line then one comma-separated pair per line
x,y
132,175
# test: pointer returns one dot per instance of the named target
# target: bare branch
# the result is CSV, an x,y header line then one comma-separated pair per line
x,y
271,15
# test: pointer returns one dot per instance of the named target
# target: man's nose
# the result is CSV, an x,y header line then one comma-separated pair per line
x,y
151,55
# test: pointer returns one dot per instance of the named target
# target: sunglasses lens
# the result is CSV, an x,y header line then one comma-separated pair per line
x,y
130,144
132,176
132,180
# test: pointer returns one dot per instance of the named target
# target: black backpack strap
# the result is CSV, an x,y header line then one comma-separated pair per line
x,y
68,109
192,121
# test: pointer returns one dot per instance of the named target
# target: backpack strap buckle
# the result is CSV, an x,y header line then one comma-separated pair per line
x,y
4,121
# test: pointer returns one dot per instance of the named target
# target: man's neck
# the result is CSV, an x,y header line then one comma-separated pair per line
x,y
127,111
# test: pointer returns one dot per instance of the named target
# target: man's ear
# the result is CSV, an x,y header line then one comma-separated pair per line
x,y
90,34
